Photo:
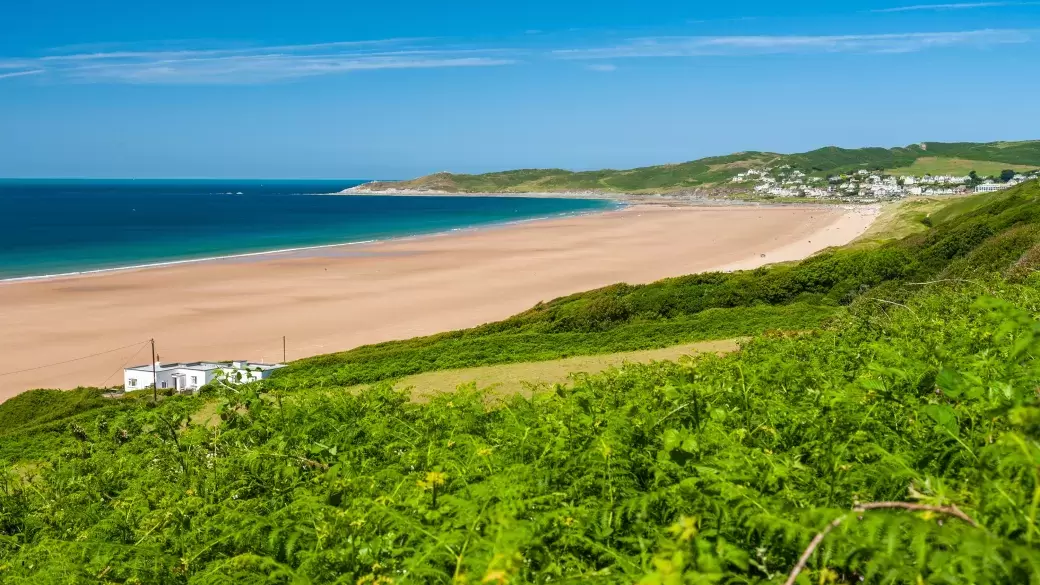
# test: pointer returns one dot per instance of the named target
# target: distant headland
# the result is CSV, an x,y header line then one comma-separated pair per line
x,y
825,173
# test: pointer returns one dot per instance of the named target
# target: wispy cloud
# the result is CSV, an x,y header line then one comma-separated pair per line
x,y
21,73
758,45
955,6
260,64
173,63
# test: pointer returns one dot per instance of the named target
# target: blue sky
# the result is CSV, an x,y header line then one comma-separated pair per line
x,y
393,89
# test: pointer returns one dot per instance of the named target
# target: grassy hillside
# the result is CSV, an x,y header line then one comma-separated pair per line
x,y
933,165
905,429
705,173
34,422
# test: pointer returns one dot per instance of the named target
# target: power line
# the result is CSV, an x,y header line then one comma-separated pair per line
x,y
123,367
86,357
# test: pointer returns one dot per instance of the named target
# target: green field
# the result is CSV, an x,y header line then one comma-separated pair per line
x,y
711,172
510,379
957,167
880,423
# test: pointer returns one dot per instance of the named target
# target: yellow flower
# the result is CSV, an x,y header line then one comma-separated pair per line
x,y
484,452
496,576
432,480
685,529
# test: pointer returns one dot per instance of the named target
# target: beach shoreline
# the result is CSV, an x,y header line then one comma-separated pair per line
x,y
695,197
300,250
337,297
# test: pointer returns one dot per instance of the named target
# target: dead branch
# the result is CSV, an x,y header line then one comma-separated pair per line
x,y
894,303
948,510
961,280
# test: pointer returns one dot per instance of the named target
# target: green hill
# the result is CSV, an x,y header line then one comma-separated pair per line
x,y
882,424
715,171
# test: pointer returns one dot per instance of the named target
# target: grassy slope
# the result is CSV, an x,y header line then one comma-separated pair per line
x,y
540,340
901,219
718,170
33,421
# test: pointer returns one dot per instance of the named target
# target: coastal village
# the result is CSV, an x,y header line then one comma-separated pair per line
x,y
869,185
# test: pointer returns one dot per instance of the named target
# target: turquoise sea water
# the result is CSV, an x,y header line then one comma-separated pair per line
x,y
63,226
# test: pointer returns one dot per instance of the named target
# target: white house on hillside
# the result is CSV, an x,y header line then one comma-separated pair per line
x,y
194,375
990,187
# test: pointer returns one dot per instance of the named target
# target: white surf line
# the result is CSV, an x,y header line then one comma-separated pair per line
x,y
443,232
184,261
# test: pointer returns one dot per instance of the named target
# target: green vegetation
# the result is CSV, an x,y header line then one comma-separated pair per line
x,y
893,409
43,406
34,423
944,158
581,325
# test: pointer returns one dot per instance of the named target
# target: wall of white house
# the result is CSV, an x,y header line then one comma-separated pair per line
x,y
192,379
136,380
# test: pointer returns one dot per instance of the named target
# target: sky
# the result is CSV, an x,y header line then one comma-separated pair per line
x,y
396,89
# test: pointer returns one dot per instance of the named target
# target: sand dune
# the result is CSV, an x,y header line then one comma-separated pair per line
x,y
336,298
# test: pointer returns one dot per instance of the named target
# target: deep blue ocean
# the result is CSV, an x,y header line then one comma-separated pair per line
x,y
62,226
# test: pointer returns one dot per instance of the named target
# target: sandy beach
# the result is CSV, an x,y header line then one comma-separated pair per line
x,y
336,298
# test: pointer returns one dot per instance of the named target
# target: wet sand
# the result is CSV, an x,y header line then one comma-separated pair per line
x,y
332,299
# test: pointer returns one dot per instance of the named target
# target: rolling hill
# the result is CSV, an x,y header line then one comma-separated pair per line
x,y
713,172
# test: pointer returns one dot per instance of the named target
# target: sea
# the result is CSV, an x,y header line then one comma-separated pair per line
x,y
55,227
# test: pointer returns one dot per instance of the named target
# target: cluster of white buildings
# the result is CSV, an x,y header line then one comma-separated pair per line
x,y
189,377
786,181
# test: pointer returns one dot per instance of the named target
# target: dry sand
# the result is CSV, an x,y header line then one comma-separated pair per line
x,y
337,298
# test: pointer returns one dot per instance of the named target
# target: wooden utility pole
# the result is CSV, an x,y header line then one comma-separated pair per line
x,y
283,349
155,377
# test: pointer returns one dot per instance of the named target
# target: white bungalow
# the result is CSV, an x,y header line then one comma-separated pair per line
x,y
194,375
